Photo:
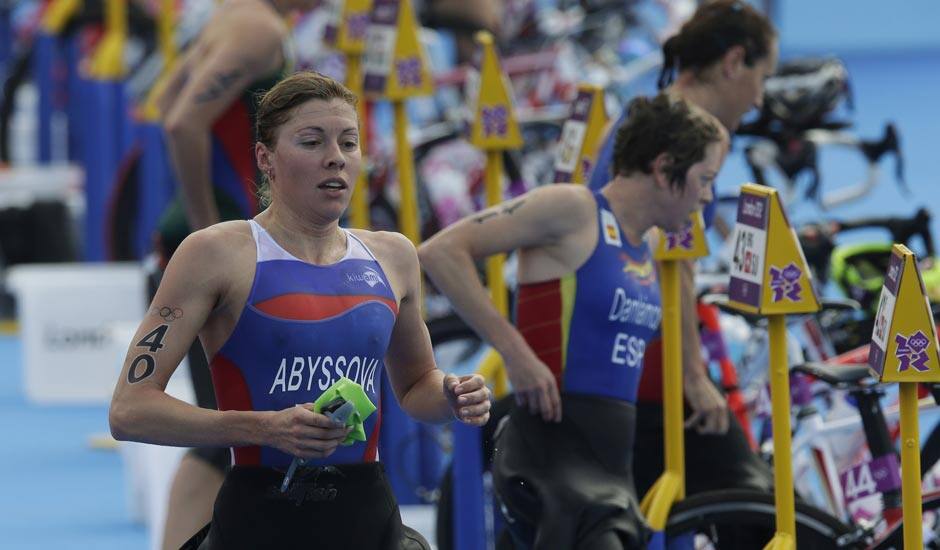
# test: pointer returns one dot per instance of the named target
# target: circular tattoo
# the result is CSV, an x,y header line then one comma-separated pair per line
x,y
171,314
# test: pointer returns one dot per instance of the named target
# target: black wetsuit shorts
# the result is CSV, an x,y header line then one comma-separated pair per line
x,y
349,506
570,484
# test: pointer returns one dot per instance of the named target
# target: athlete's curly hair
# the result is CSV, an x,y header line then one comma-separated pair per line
x,y
663,125
277,105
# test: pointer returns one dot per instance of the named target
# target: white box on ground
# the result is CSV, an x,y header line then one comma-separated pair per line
x,y
70,318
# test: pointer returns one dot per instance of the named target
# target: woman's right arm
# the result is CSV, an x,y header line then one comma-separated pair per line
x,y
541,218
195,282
250,50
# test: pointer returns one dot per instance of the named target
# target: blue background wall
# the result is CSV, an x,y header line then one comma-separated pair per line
x,y
870,25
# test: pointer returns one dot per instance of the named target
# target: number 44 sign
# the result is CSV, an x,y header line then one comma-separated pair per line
x,y
904,340
769,274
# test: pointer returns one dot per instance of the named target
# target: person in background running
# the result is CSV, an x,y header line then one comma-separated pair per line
x,y
208,111
285,305
588,304
723,55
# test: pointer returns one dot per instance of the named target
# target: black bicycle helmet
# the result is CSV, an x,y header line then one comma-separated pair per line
x,y
804,91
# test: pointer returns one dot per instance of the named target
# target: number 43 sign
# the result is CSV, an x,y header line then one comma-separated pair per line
x,y
769,274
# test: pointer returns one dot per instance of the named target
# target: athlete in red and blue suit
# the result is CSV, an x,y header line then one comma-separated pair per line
x,y
303,328
721,57
588,304
208,108
285,305
591,327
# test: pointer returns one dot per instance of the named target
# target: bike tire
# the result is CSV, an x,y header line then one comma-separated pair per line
x,y
893,538
736,513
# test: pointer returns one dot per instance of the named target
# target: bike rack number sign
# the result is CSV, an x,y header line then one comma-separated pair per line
x,y
904,340
769,273
686,244
581,136
395,64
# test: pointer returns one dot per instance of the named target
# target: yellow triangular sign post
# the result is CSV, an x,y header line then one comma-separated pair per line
x,y
769,273
58,14
166,23
770,276
107,62
349,22
904,341
904,349
581,135
685,244
395,65
494,125
494,129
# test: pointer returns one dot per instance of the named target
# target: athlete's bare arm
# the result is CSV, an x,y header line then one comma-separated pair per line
x,y
174,84
249,49
423,391
709,407
554,226
192,294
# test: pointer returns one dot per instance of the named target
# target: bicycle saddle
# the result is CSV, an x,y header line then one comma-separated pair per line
x,y
844,375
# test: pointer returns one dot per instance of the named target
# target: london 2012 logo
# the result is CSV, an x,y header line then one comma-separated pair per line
x,y
495,120
409,71
785,283
912,352
680,239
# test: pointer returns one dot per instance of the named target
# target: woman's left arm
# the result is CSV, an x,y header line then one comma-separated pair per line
x,y
423,391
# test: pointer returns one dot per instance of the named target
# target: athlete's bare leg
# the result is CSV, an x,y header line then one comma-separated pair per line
x,y
191,498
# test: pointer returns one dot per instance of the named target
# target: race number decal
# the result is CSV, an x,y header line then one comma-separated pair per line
x,y
380,46
750,246
135,373
880,475
333,11
472,91
883,318
748,260
572,138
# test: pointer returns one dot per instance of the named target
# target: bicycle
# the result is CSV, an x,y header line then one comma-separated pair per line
x,y
815,454
720,517
798,118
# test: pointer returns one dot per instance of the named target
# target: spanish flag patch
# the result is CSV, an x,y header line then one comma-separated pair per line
x,y
610,228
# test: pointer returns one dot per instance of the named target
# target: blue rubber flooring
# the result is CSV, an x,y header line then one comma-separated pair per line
x,y
57,492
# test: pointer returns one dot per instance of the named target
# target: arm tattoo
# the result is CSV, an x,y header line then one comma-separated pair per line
x,y
508,210
132,373
154,339
218,86
169,314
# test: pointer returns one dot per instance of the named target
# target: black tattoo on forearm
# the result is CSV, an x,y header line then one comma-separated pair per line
x,y
483,217
218,86
132,375
154,339
508,210
169,314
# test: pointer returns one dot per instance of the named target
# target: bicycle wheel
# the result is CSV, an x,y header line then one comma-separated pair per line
x,y
746,519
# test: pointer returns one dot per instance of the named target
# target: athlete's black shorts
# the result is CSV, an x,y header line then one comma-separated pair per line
x,y
334,507
712,461
570,484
